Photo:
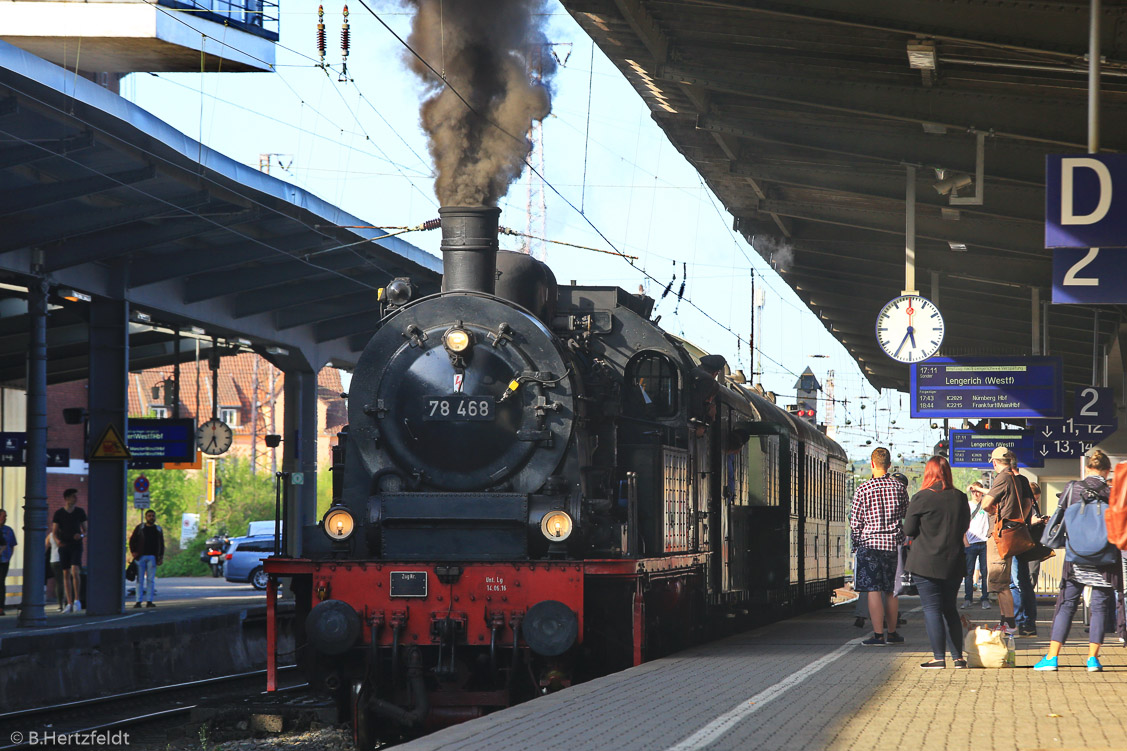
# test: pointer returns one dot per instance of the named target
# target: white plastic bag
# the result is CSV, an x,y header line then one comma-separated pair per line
x,y
987,648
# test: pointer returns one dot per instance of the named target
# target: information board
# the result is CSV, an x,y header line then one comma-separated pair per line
x,y
153,441
981,387
12,447
971,448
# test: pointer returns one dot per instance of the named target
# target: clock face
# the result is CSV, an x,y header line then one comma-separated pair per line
x,y
910,329
214,437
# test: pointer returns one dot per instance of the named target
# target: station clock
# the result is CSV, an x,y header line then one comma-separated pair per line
x,y
214,437
910,328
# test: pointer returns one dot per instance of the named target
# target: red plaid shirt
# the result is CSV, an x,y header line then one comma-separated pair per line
x,y
876,515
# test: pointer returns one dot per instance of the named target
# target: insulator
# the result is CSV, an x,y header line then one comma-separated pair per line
x,y
432,224
321,32
345,39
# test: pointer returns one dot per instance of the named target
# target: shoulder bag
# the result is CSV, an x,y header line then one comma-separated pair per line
x,y
1011,536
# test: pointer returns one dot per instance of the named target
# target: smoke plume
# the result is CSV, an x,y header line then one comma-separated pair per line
x,y
496,56
775,250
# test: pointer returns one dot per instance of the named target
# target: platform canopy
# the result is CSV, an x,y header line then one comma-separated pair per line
x,y
803,116
106,199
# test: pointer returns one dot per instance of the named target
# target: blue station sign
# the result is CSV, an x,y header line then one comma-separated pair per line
x,y
1089,275
972,449
1083,209
981,387
152,442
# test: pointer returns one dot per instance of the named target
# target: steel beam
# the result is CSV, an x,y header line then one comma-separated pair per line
x,y
35,510
36,196
339,307
109,405
28,153
151,270
39,232
1040,119
299,453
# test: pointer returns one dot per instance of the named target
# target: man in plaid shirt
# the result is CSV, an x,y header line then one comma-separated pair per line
x,y
876,533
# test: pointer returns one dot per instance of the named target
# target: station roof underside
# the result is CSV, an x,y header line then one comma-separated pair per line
x,y
802,117
111,201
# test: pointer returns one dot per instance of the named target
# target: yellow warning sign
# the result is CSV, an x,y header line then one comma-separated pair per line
x,y
110,446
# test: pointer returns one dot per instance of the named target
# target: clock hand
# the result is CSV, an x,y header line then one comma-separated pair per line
x,y
912,334
212,442
897,352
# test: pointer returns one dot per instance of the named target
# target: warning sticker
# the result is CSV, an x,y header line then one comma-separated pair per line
x,y
110,445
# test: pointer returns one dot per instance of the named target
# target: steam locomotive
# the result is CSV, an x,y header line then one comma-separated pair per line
x,y
537,485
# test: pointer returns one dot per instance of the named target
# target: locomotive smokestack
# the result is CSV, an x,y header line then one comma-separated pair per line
x,y
469,248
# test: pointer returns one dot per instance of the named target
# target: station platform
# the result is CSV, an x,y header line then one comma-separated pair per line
x,y
199,629
808,683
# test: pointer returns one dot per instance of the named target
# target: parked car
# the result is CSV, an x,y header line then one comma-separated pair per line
x,y
244,559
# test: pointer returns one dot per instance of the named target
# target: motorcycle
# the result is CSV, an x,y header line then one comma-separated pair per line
x,y
214,554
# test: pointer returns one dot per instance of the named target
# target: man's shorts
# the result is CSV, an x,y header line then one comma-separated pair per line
x,y
876,570
997,569
70,555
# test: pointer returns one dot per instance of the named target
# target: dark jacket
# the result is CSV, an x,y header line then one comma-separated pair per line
x,y
137,540
937,520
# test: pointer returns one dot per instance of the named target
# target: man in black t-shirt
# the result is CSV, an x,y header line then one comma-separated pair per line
x,y
69,528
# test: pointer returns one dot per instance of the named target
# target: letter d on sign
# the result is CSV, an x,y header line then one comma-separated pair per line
x,y
1067,165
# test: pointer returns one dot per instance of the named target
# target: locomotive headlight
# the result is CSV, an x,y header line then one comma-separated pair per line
x,y
556,526
338,523
457,340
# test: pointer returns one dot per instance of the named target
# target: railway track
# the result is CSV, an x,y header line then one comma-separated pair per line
x,y
94,722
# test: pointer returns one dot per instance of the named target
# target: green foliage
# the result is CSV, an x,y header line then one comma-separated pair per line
x,y
245,497
187,562
324,492
174,492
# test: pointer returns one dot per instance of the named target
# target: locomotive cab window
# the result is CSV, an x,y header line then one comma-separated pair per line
x,y
651,389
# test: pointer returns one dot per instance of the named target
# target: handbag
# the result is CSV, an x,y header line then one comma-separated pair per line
x,y
1011,536
905,584
131,571
1039,552
1054,529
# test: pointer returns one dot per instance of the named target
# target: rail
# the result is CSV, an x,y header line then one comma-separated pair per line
x,y
70,718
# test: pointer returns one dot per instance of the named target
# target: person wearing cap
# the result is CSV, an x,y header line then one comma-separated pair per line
x,y
1004,500
706,392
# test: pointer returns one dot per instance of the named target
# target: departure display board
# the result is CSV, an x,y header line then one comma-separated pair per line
x,y
970,448
980,387
153,441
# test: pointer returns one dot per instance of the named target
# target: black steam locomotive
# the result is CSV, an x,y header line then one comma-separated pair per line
x,y
539,484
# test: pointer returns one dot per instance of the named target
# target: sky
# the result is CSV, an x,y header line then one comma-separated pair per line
x,y
358,144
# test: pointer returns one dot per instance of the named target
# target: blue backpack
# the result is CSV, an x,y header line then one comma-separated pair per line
x,y
1085,529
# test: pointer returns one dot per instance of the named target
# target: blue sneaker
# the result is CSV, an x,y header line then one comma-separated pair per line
x,y
1047,663
1094,665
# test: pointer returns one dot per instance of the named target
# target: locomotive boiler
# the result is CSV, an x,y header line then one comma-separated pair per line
x,y
538,484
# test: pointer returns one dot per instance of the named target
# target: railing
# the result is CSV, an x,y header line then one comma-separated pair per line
x,y
259,17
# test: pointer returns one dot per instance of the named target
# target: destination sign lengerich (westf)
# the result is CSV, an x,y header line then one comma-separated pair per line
x,y
978,387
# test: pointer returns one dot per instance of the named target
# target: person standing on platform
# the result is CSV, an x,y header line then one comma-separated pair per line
x,y
69,528
936,521
7,547
974,545
876,533
146,545
1104,580
1009,498
1021,579
51,547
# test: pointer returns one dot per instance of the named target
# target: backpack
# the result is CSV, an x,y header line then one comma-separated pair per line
x,y
1085,529
1116,514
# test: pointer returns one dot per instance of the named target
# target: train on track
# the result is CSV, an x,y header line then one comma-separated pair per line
x,y
537,485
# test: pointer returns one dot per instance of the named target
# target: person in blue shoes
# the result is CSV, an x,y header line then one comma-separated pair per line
x,y
1103,578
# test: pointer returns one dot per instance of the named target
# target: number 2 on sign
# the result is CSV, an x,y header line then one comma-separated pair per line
x,y
1070,278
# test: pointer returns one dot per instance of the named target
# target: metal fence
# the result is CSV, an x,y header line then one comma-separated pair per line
x,y
246,14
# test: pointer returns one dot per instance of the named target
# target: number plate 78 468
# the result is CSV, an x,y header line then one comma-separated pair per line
x,y
458,407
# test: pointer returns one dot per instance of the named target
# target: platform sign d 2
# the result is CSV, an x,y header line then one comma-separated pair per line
x,y
1090,275
1085,200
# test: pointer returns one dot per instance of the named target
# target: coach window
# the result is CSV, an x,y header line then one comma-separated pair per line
x,y
651,380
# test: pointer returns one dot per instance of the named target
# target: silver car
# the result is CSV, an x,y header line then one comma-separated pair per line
x,y
244,559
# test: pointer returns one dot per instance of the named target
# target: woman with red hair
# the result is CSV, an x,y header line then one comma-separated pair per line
x,y
937,518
